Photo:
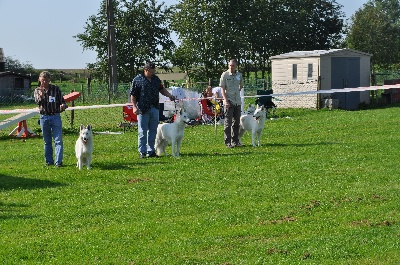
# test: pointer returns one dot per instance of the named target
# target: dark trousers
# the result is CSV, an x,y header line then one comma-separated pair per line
x,y
231,124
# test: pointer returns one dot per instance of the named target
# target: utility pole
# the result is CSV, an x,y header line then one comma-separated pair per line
x,y
112,60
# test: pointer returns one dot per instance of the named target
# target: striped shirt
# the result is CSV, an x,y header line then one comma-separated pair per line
x,y
50,103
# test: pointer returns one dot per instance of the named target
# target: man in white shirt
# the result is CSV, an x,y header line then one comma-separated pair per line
x,y
232,83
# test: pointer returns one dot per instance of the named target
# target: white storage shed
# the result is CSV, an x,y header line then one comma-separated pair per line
x,y
302,71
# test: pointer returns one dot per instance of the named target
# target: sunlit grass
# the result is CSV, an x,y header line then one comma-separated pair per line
x,y
323,189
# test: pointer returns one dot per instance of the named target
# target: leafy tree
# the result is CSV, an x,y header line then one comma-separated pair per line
x,y
375,29
14,65
252,31
141,33
198,23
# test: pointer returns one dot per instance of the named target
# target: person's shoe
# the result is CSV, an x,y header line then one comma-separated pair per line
x,y
49,164
229,146
142,155
238,145
58,165
153,155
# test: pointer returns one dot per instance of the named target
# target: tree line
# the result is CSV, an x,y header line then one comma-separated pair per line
x,y
210,32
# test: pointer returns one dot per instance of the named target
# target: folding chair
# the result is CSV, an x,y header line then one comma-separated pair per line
x,y
129,117
207,115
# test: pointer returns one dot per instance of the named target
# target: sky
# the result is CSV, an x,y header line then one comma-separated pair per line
x,y
41,32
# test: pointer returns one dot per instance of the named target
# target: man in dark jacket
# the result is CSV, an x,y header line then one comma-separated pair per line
x,y
145,96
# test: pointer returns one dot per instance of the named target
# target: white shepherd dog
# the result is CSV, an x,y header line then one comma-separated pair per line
x,y
171,133
253,123
84,147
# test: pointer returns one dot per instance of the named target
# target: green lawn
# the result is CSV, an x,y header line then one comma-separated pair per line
x,y
323,189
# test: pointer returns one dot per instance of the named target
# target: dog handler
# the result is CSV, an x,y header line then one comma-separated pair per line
x,y
232,83
51,103
145,96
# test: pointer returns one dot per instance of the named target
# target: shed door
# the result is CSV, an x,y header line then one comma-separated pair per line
x,y
345,73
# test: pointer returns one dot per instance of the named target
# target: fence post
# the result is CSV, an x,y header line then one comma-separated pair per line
x,y
88,81
72,112
83,94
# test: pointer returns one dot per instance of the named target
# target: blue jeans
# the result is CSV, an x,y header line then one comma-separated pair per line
x,y
147,130
52,128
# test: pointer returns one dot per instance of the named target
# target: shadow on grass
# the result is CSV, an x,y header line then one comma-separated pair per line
x,y
12,183
249,149
12,210
299,145
133,164
213,154
6,137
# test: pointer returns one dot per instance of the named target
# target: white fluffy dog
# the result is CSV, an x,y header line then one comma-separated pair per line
x,y
84,147
254,124
171,133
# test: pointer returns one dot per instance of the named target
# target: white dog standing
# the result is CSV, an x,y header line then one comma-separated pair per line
x,y
84,147
171,133
253,123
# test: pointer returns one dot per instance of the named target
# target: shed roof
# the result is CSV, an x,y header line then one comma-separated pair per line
x,y
8,73
171,76
315,53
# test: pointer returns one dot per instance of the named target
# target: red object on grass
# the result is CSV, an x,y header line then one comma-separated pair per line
x,y
128,114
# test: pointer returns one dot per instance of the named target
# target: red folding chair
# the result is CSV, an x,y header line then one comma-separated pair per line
x,y
207,114
129,117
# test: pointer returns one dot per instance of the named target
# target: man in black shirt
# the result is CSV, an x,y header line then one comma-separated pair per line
x,y
145,92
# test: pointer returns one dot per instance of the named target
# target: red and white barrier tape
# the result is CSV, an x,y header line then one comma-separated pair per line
x,y
344,90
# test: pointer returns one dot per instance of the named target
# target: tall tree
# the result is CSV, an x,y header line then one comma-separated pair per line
x,y
375,29
254,30
14,65
141,33
198,24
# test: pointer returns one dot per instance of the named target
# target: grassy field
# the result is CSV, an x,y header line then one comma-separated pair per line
x,y
323,189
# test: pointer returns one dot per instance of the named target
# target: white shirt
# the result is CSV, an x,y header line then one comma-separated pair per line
x,y
217,90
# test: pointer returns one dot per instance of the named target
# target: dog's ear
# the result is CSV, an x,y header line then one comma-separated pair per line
x,y
82,127
89,127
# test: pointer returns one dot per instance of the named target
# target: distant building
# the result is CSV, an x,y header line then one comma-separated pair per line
x,y
302,71
14,84
172,76
11,83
